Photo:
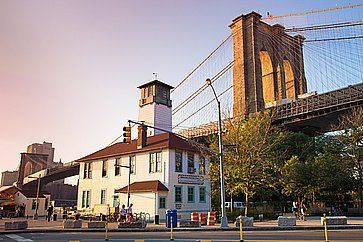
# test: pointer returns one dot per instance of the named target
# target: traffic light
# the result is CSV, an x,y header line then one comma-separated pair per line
x,y
127,134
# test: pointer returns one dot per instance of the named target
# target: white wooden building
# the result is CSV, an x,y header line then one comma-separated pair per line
x,y
166,171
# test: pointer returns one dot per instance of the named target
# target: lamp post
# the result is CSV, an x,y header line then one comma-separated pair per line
x,y
35,217
224,221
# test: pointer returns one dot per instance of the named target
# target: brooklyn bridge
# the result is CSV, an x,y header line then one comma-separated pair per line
x,y
306,67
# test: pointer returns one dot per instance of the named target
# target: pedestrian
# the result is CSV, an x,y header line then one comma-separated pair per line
x,y
294,208
303,209
130,216
49,212
123,213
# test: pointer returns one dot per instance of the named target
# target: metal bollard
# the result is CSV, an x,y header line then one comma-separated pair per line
x,y
325,229
106,225
171,229
240,229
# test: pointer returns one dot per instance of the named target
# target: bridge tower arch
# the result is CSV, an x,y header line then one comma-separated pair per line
x,y
268,64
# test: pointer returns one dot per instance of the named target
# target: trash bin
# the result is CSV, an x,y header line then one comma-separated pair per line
x,y
55,217
171,214
156,220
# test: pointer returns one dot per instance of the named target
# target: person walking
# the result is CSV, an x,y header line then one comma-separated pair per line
x,y
49,212
303,209
294,208
130,216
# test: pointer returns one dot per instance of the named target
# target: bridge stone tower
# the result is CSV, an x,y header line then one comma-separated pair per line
x,y
268,64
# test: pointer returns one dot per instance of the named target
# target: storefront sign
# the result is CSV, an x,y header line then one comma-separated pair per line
x,y
190,179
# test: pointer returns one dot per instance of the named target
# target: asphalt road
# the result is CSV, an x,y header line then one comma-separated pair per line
x,y
296,235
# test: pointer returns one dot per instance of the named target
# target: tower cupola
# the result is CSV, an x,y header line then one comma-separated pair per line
x,y
155,106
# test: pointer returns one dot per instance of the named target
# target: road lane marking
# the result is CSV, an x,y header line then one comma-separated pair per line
x,y
17,238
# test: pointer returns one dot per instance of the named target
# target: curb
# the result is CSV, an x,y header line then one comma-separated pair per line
x,y
287,228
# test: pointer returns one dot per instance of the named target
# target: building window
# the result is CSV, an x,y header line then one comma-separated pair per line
x,y
178,194
162,202
104,168
117,167
155,162
191,169
103,196
86,199
87,171
202,194
133,164
34,204
115,202
202,165
178,161
190,194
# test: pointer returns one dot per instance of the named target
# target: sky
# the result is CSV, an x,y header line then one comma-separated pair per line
x,y
69,70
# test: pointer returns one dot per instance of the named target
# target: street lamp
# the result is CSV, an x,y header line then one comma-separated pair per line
x,y
224,221
35,217
128,185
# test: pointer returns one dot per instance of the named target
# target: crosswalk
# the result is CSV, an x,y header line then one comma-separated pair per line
x,y
17,238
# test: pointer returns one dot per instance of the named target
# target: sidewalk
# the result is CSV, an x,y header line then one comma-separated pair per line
x,y
312,223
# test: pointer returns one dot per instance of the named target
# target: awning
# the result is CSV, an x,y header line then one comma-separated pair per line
x,y
144,186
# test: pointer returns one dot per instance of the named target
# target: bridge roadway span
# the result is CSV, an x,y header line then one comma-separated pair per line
x,y
313,114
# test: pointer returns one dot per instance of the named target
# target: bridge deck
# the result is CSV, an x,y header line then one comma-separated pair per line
x,y
318,112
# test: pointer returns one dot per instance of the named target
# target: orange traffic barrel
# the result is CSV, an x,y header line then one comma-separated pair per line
x,y
203,218
194,216
211,218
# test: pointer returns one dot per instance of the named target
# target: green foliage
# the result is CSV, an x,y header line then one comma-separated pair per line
x,y
267,164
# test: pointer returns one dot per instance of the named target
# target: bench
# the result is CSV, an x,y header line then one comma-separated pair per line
x,y
334,220
246,222
72,224
16,225
96,224
283,221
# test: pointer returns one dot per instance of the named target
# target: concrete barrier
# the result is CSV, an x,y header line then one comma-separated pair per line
x,y
189,224
136,224
96,224
16,225
334,220
72,224
284,221
246,222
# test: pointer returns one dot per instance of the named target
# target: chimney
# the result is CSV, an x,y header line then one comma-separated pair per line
x,y
141,136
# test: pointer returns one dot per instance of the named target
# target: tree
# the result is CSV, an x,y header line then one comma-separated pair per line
x,y
352,139
250,164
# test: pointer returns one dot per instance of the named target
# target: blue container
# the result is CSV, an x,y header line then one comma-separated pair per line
x,y
171,215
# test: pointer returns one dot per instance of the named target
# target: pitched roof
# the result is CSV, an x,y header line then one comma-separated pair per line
x,y
160,141
144,186
155,82
8,191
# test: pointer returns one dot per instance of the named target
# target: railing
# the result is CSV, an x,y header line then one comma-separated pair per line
x,y
320,103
